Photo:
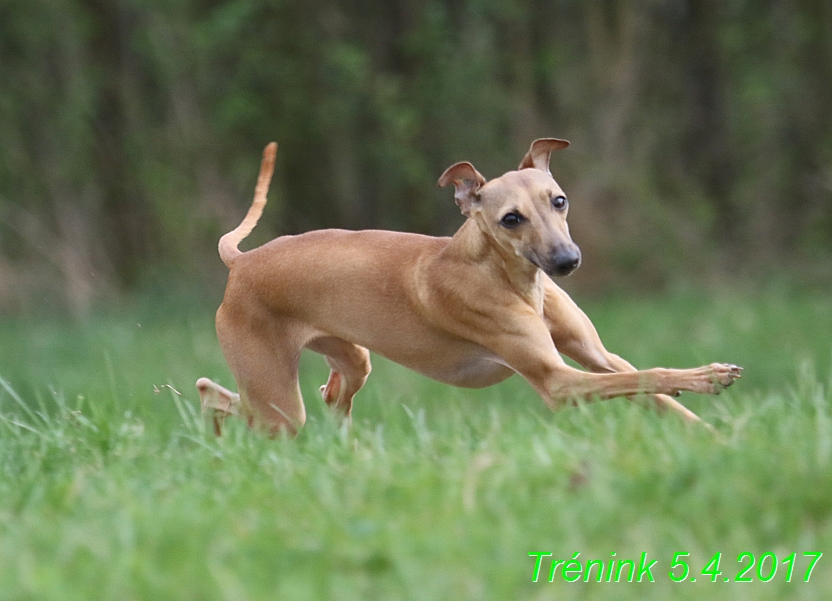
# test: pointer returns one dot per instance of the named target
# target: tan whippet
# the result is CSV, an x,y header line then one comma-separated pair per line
x,y
470,310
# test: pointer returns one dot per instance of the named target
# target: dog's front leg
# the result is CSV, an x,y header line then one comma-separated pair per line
x,y
528,348
576,337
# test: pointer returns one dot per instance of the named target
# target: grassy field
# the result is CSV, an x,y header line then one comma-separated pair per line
x,y
112,487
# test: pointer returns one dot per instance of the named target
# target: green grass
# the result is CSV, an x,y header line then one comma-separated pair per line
x,y
111,486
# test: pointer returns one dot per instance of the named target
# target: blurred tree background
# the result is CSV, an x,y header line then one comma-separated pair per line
x,y
131,130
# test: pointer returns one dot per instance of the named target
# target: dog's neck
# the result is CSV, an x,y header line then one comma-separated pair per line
x,y
471,244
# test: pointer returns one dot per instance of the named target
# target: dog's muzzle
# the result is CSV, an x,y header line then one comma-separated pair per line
x,y
560,262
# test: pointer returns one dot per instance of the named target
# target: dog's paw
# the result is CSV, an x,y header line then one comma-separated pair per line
x,y
716,377
214,397
332,389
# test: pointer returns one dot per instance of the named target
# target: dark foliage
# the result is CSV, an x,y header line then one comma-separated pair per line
x,y
131,130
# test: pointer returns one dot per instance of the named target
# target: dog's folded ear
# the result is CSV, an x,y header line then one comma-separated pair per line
x,y
539,152
467,181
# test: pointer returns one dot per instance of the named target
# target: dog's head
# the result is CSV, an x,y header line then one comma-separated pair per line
x,y
523,211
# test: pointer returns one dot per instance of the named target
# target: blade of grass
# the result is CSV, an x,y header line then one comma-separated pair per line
x,y
16,398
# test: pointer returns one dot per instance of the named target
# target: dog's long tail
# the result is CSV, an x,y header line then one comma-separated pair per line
x,y
230,241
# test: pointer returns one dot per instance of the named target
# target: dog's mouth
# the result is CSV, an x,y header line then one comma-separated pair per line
x,y
559,263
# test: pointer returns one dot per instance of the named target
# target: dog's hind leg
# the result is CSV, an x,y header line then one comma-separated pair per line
x,y
264,361
350,366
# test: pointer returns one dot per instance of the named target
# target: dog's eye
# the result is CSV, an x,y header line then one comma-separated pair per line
x,y
559,202
512,220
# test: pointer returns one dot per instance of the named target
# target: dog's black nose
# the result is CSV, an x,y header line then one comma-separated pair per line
x,y
566,261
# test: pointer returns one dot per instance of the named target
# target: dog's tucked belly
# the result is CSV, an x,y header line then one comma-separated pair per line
x,y
446,359
470,372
